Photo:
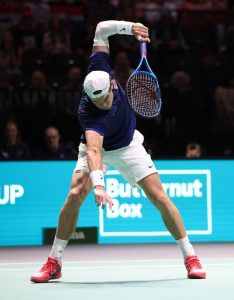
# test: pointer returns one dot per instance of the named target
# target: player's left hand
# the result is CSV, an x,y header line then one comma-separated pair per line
x,y
141,32
102,198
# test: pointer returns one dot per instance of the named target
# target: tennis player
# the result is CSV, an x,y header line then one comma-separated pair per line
x,y
110,138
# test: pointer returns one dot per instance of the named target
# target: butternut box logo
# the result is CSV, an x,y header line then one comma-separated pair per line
x,y
134,215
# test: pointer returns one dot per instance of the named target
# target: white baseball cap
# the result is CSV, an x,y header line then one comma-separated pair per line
x,y
97,84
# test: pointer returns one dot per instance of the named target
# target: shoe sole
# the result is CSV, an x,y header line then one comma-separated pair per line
x,y
196,276
36,280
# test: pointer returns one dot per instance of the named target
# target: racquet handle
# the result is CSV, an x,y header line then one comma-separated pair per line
x,y
143,48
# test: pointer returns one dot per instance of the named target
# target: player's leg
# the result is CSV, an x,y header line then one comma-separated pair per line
x,y
80,187
170,214
136,165
153,189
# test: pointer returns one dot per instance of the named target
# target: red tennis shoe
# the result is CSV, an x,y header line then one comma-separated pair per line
x,y
194,268
50,270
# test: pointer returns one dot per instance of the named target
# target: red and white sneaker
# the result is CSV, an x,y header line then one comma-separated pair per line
x,y
50,270
194,268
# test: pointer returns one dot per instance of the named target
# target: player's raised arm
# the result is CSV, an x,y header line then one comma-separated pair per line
x,y
107,28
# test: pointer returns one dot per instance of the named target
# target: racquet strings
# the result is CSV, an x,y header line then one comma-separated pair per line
x,y
143,94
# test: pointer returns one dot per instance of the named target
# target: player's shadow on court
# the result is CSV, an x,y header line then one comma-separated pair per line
x,y
118,282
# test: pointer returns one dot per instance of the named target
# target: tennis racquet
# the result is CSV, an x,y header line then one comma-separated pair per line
x,y
142,89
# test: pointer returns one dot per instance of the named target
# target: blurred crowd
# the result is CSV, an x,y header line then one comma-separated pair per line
x,y
44,50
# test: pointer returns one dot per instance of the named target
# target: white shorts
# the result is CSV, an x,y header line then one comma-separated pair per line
x,y
132,161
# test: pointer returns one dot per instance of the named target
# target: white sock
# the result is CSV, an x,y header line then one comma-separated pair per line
x,y
58,248
186,247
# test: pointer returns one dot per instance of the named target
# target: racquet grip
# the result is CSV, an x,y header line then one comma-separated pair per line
x,y
143,48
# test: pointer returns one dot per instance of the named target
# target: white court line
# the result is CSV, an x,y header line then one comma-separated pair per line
x,y
114,261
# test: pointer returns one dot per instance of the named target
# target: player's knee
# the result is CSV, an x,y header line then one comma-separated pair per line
x,y
162,201
74,199
78,191
73,193
83,192
77,194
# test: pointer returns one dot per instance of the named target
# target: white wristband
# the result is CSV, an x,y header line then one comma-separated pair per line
x,y
124,27
105,29
97,178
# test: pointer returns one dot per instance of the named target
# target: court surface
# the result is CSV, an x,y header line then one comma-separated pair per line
x,y
119,272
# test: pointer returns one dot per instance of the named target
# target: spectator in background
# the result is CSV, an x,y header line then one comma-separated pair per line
x,y
26,33
152,11
101,10
155,9
168,35
229,35
208,74
169,43
193,150
40,12
122,67
181,110
7,107
37,107
198,4
172,7
33,55
3,61
57,39
74,79
12,148
205,4
30,39
223,121
57,44
12,53
53,149
87,43
8,19
38,80
227,54
67,102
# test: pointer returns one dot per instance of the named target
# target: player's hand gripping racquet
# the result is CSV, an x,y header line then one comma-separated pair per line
x,y
142,89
